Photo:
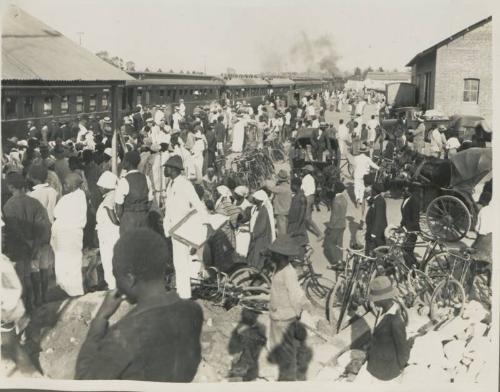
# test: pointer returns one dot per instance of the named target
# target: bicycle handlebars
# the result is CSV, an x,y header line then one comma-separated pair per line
x,y
357,253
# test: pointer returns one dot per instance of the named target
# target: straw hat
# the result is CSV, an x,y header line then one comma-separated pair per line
x,y
381,288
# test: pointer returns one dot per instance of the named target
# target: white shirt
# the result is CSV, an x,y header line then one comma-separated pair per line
x,y
315,123
372,135
343,134
437,142
176,117
372,124
81,133
47,196
181,198
123,188
452,142
103,221
71,210
159,115
182,109
485,220
308,185
362,165
288,118
311,111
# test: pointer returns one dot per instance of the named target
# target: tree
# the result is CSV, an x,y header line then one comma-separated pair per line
x,y
171,71
130,66
357,71
147,70
365,72
395,70
380,69
159,70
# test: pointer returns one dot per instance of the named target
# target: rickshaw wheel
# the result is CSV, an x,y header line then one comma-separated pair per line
x,y
448,218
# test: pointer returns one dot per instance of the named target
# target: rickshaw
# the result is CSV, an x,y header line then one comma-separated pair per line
x,y
448,187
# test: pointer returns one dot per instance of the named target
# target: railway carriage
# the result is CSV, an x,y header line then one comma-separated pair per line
x,y
253,90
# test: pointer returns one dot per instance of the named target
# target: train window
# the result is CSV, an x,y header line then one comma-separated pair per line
x,y
47,105
139,97
168,93
162,95
64,104
92,103
79,103
10,106
191,92
29,105
104,101
210,91
148,98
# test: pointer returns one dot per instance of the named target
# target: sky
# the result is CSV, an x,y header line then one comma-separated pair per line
x,y
254,36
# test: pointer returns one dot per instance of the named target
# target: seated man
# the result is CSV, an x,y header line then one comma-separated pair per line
x,y
159,339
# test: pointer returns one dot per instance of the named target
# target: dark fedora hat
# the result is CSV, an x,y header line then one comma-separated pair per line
x,y
175,162
284,245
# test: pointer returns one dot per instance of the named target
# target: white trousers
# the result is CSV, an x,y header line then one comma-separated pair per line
x,y
359,189
182,265
107,241
67,244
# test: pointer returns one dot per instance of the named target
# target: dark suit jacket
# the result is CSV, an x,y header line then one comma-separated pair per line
x,y
376,218
410,214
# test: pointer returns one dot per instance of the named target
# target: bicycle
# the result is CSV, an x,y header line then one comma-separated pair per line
x,y
450,295
351,290
348,165
218,287
413,284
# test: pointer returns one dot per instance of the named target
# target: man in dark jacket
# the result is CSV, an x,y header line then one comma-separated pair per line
x,y
297,226
410,221
159,339
334,233
211,149
376,219
220,135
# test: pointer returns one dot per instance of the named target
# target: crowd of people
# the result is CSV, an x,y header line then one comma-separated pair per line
x,y
73,190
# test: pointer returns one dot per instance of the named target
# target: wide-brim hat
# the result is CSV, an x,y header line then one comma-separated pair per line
x,y
175,162
363,148
284,245
381,288
106,120
309,168
282,175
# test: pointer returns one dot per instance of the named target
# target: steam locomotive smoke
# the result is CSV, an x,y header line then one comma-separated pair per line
x,y
314,55
304,55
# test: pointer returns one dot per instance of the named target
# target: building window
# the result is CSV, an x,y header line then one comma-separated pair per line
x,y
104,101
29,105
10,106
64,104
47,105
471,90
79,103
92,103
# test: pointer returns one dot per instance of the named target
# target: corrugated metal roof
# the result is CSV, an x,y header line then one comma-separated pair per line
x,y
173,82
244,82
281,82
31,50
388,75
448,40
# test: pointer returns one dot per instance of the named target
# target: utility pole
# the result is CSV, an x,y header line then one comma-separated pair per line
x,y
80,34
205,64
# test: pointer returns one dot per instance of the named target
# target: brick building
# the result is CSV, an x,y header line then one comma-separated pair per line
x,y
455,75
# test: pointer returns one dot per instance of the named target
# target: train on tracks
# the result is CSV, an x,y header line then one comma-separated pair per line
x,y
55,103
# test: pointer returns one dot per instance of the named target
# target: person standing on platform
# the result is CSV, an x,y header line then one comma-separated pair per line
x,y
220,135
108,227
261,229
281,201
67,236
376,219
44,258
297,225
134,195
198,151
180,199
334,233
238,134
309,188
362,164
27,234
410,221
211,149
419,137
286,304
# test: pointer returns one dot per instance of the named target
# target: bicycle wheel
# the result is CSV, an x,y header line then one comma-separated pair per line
x,y
439,266
337,301
447,300
421,287
317,288
249,276
255,299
